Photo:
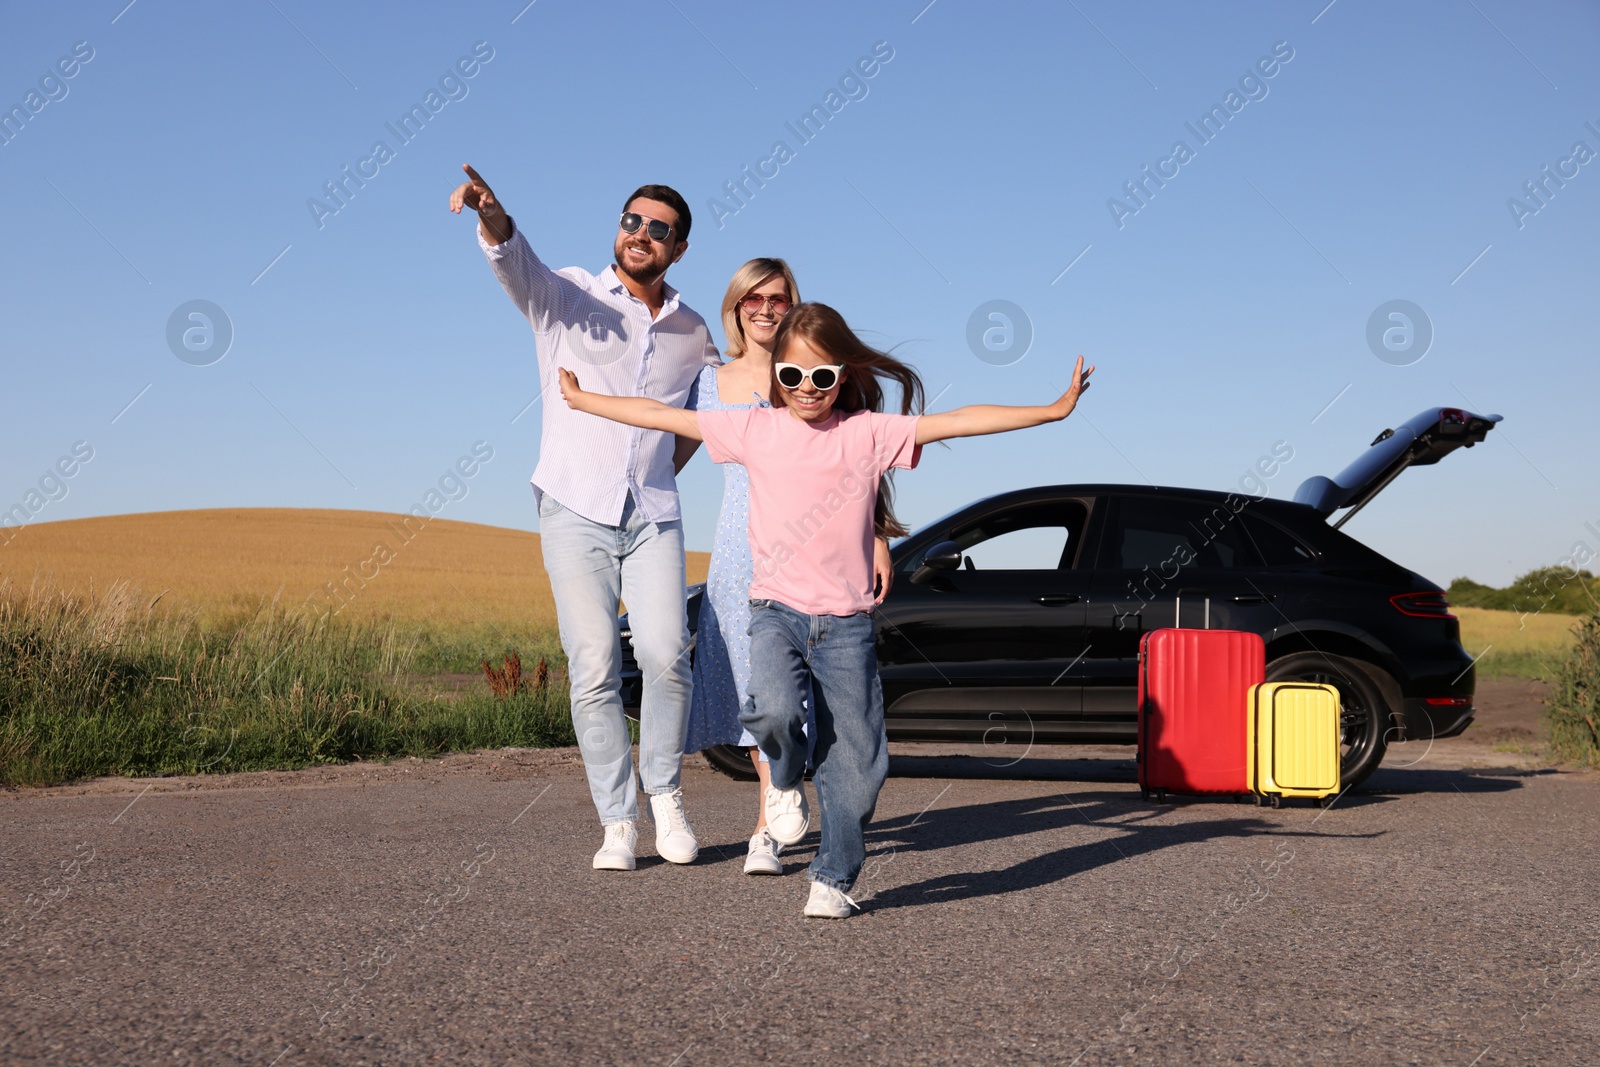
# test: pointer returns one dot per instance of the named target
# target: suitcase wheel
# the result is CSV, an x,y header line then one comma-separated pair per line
x,y
1277,801
1161,796
1327,801
1144,794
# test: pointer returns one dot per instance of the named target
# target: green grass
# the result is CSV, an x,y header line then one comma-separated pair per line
x,y
110,684
461,650
1534,665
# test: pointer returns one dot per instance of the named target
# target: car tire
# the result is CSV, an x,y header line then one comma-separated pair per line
x,y
1363,713
732,761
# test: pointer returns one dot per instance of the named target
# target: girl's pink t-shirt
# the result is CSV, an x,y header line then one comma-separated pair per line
x,y
813,487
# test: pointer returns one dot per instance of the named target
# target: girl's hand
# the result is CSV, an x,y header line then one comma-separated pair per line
x,y
882,568
1069,399
572,393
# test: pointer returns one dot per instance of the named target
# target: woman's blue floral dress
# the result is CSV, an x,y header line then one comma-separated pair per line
x,y
722,641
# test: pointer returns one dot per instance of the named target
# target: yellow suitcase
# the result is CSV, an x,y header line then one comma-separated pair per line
x,y
1293,741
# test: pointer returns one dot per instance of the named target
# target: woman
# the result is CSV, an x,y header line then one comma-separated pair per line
x,y
759,295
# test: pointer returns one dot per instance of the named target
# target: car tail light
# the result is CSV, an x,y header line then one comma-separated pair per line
x,y
1422,605
1450,702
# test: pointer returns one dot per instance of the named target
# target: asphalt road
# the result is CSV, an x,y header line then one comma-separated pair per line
x,y
1014,913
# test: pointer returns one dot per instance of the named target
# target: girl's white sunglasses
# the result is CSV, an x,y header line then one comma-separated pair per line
x,y
790,375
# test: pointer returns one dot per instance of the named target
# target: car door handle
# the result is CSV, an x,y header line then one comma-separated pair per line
x,y
1255,598
1058,598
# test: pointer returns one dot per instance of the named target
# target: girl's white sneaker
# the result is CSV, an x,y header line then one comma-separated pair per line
x,y
788,814
827,902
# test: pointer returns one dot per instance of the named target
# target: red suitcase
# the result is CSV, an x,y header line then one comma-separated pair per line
x,y
1194,688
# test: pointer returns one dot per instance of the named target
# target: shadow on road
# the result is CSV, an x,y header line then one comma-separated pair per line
x,y
1033,768
1114,809
1385,783
976,823
1390,785
1143,830
1400,781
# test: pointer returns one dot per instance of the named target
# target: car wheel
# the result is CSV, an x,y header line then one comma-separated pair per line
x,y
732,761
1363,715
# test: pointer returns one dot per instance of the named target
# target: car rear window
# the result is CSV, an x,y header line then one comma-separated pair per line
x,y
1279,548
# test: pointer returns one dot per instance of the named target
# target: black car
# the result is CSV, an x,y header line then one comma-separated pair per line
x,y
1016,620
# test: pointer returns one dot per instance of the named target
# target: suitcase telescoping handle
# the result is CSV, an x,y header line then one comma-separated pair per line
x,y
1177,608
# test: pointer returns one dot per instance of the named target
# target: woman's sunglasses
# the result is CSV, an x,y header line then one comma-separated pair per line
x,y
658,230
790,375
753,304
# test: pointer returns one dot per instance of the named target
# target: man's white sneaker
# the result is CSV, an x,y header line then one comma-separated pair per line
x,y
763,855
675,842
827,902
617,853
788,814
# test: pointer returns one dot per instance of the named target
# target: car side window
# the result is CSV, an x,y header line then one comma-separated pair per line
x,y
1279,548
1155,532
1036,537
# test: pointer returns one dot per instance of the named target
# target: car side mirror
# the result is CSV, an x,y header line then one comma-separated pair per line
x,y
944,556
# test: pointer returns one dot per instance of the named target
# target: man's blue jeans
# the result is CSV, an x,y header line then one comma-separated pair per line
x,y
793,655
591,567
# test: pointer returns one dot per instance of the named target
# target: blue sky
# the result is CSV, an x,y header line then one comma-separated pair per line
x,y
371,347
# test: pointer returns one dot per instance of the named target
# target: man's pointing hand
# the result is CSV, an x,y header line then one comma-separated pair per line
x,y
477,195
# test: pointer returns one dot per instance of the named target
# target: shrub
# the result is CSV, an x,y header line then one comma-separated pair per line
x,y
1573,707
1545,589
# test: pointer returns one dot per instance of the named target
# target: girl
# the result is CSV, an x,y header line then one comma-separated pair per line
x,y
759,295
816,458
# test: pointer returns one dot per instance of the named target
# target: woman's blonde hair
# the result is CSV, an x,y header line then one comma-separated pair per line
x,y
745,279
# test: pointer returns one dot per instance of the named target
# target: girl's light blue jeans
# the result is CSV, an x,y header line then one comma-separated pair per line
x,y
794,655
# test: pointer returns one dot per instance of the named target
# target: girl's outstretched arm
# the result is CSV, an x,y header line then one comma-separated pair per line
x,y
979,419
630,410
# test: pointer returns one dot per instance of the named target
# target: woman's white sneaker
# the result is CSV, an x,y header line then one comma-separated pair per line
x,y
788,814
617,853
763,855
827,902
675,842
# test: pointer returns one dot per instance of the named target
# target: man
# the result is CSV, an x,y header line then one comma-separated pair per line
x,y
607,496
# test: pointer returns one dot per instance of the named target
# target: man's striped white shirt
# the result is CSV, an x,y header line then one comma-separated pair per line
x,y
595,327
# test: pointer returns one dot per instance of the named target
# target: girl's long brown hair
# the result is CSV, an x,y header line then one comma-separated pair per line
x,y
865,368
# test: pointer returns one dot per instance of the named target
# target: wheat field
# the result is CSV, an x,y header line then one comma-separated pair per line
x,y
1509,644
362,565
443,574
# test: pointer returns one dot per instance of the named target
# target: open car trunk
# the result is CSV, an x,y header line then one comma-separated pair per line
x,y
1422,439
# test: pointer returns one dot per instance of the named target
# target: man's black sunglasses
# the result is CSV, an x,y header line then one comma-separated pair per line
x,y
658,230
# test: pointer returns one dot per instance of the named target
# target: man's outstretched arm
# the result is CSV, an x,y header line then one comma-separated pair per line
x,y
538,292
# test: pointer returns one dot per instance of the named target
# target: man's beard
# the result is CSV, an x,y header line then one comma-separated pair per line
x,y
645,274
